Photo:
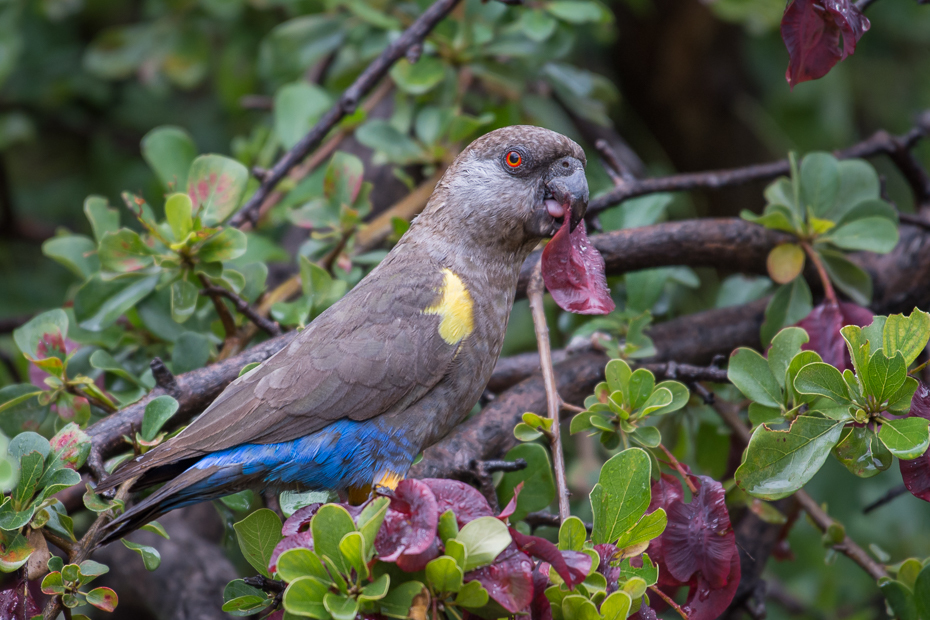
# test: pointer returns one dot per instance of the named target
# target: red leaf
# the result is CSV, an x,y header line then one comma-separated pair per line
x,y
812,30
509,581
573,271
301,540
300,520
465,501
916,474
411,563
572,566
540,608
13,598
708,603
409,527
698,537
823,326
511,506
607,554
920,403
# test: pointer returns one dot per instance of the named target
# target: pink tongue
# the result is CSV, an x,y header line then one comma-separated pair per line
x,y
574,272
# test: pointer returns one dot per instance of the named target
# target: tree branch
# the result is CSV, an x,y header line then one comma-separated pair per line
x,y
268,326
412,36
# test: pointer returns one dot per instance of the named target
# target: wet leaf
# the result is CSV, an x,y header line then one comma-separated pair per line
x,y
907,335
812,29
483,539
621,495
444,575
906,438
573,271
750,373
862,453
411,521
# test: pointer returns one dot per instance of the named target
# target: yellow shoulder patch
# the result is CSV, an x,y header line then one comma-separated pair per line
x,y
455,309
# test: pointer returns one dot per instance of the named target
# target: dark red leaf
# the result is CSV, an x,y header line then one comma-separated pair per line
x,y
412,563
645,612
608,554
511,506
916,474
301,540
572,566
509,581
698,537
812,30
920,403
706,602
540,608
464,500
823,326
573,271
300,520
13,598
410,524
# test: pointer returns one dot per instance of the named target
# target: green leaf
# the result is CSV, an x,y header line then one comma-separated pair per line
x,y
102,218
230,243
258,534
157,411
861,452
751,375
785,262
641,384
572,534
398,601
820,181
900,599
907,335
616,606
124,251
647,436
27,442
873,207
776,217
156,528
472,595
352,547
42,337
577,607
304,597
103,598
329,525
575,12
296,563
215,185
900,401
14,551
56,480
760,414
906,438
381,136
297,108
524,432
785,345
885,376
184,296
418,78
191,351
847,276
823,380
536,25
621,495
778,463
649,527
870,234
104,361
169,151
369,522
150,556
483,539
98,304
444,575
922,592
340,607
537,478
31,467
247,605
75,252
858,182
448,526
178,210
12,520
375,590
791,303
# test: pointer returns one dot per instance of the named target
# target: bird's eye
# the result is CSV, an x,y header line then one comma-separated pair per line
x,y
514,159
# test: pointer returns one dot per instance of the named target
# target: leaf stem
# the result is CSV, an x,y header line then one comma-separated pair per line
x,y
679,469
828,291
671,603
554,404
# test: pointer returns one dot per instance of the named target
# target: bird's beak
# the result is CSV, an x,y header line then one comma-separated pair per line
x,y
569,188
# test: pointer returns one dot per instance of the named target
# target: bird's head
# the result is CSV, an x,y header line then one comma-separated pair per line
x,y
517,185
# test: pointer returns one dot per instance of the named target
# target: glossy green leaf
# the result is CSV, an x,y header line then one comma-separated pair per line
x,y
340,607
907,335
444,575
258,534
375,590
304,597
215,185
472,595
791,303
621,495
329,525
157,411
98,304
296,563
650,526
750,373
820,182
778,463
352,547
230,243
906,438
785,345
103,598
823,380
398,601
537,478
572,534
885,376
577,607
151,558
169,151
861,452
483,538
124,251
900,599
922,592
847,276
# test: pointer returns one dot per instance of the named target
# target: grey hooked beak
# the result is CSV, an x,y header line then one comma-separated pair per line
x,y
568,186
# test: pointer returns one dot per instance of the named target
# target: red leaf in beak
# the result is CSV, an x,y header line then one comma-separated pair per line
x,y
574,272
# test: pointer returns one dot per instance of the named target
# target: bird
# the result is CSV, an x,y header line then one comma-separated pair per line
x,y
403,357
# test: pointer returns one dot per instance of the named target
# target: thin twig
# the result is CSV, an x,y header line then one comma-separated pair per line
x,y
268,326
678,467
229,324
893,493
535,292
914,220
346,104
828,291
668,600
547,519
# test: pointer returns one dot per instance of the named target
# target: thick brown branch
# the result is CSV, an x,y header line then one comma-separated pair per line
x,y
414,35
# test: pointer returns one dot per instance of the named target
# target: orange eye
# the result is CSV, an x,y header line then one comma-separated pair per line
x,y
513,159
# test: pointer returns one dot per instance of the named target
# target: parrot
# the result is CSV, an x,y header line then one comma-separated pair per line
x,y
404,356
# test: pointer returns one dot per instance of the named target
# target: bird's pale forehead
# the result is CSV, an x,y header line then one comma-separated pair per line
x,y
544,144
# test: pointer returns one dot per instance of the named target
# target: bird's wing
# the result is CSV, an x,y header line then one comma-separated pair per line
x,y
383,346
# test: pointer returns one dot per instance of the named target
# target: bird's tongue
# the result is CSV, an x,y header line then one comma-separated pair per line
x,y
574,272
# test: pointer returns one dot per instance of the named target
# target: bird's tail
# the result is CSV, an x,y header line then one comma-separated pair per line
x,y
184,490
